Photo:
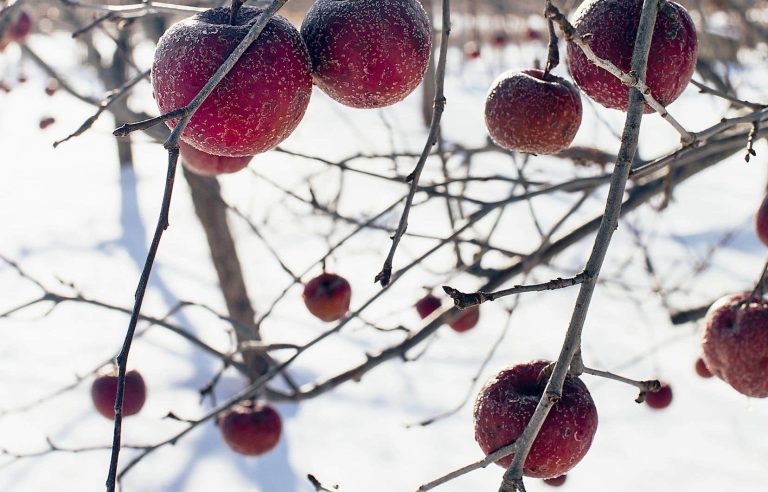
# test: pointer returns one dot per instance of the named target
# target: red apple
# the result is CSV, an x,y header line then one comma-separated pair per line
x,y
466,320
46,122
327,296
613,27
427,305
761,221
557,481
104,392
367,53
735,343
505,405
471,50
499,39
251,428
19,30
206,164
533,113
659,399
702,369
257,105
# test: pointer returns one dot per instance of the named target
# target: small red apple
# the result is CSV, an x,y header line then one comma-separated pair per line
x,y
471,50
735,343
761,221
702,369
499,39
557,481
613,27
367,53
257,105
46,122
427,305
251,428
659,399
533,113
327,296
51,87
505,405
466,320
104,392
20,29
206,164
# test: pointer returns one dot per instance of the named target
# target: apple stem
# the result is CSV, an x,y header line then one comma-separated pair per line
x,y
236,4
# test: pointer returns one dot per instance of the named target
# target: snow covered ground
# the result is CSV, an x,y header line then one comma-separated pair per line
x,y
64,217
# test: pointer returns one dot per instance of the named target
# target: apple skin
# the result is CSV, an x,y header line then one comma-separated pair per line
x,y
702,369
613,25
761,221
206,164
466,320
735,343
505,405
367,53
532,113
104,392
327,296
659,399
427,305
251,429
260,101
557,481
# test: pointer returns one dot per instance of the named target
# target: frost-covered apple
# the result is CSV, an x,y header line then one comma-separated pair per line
x,y
104,392
327,296
531,112
367,53
206,164
260,101
251,428
735,343
506,404
659,399
466,319
613,25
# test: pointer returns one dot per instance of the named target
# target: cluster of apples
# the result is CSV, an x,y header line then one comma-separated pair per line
x,y
249,428
539,113
534,112
17,30
361,53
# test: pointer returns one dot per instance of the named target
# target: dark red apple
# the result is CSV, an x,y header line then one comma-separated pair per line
x,y
499,39
257,105
206,164
613,26
557,481
735,343
659,399
251,428
471,50
702,369
466,320
46,122
327,296
532,113
505,405
104,392
761,221
19,30
427,305
367,53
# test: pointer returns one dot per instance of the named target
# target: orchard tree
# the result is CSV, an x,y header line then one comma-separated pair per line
x,y
232,82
